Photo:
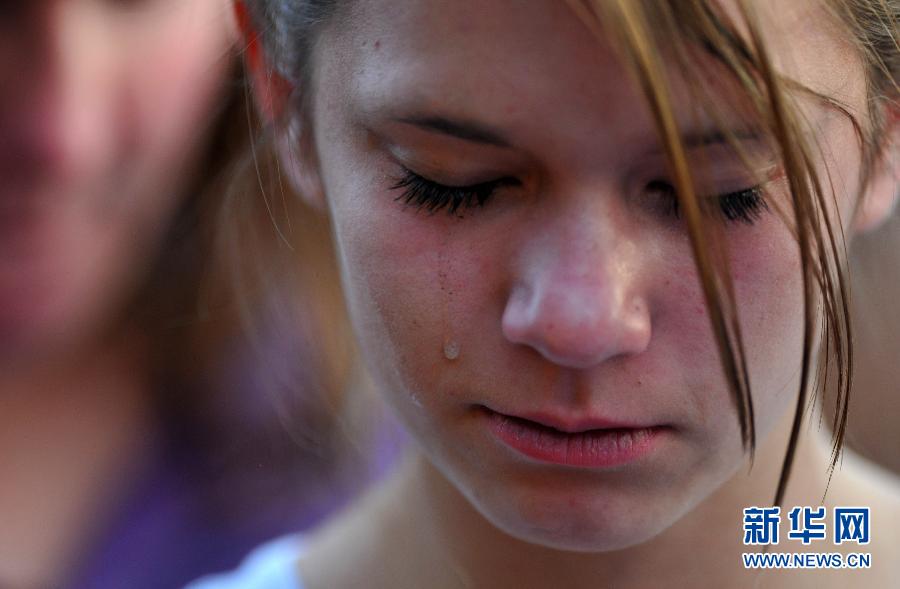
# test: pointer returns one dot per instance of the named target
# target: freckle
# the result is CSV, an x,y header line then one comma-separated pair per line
x,y
378,44
451,350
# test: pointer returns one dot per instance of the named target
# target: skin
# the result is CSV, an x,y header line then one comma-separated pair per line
x,y
570,292
95,153
103,109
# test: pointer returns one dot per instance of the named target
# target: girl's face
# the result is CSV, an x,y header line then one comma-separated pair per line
x,y
551,350
102,109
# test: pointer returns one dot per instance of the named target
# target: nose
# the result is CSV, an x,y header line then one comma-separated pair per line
x,y
53,113
577,298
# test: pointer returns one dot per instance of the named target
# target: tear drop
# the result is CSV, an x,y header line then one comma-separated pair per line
x,y
451,350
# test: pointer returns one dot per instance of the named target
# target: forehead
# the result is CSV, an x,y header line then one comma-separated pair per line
x,y
516,61
503,54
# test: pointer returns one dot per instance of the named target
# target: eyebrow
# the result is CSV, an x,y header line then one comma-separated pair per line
x,y
705,138
475,132
459,128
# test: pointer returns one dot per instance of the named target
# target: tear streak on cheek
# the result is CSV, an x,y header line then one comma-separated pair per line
x,y
402,326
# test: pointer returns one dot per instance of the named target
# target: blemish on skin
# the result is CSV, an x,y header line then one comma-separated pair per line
x,y
451,350
377,44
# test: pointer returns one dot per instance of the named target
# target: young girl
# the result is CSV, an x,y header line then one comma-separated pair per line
x,y
594,255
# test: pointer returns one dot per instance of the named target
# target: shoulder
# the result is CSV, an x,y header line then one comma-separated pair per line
x,y
273,565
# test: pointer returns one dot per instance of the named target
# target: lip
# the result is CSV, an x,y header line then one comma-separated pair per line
x,y
586,442
575,424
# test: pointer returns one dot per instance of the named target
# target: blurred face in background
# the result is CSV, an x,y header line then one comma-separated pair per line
x,y
103,108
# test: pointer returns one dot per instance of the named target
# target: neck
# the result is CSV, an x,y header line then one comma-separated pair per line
x,y
74,425
702,549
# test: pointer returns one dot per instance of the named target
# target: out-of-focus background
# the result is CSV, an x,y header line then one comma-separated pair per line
x,y
155,425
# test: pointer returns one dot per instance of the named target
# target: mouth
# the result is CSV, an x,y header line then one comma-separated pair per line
x,y
585,443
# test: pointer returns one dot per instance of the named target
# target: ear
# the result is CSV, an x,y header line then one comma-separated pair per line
x,y
274,97
880,198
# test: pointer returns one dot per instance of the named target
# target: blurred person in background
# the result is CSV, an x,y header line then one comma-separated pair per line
x,y
136,447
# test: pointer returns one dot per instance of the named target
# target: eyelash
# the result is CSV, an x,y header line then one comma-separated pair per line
x,y
431,196
745,206
741,206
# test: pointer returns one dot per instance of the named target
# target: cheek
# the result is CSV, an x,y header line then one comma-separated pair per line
x,y
423,296
769,289
765,271
392,276
766,275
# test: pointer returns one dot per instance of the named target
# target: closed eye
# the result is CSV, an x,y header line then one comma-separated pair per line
x,y
431,196
745,206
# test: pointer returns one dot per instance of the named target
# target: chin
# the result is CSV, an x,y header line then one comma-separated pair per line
x,y
581,524
581,534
